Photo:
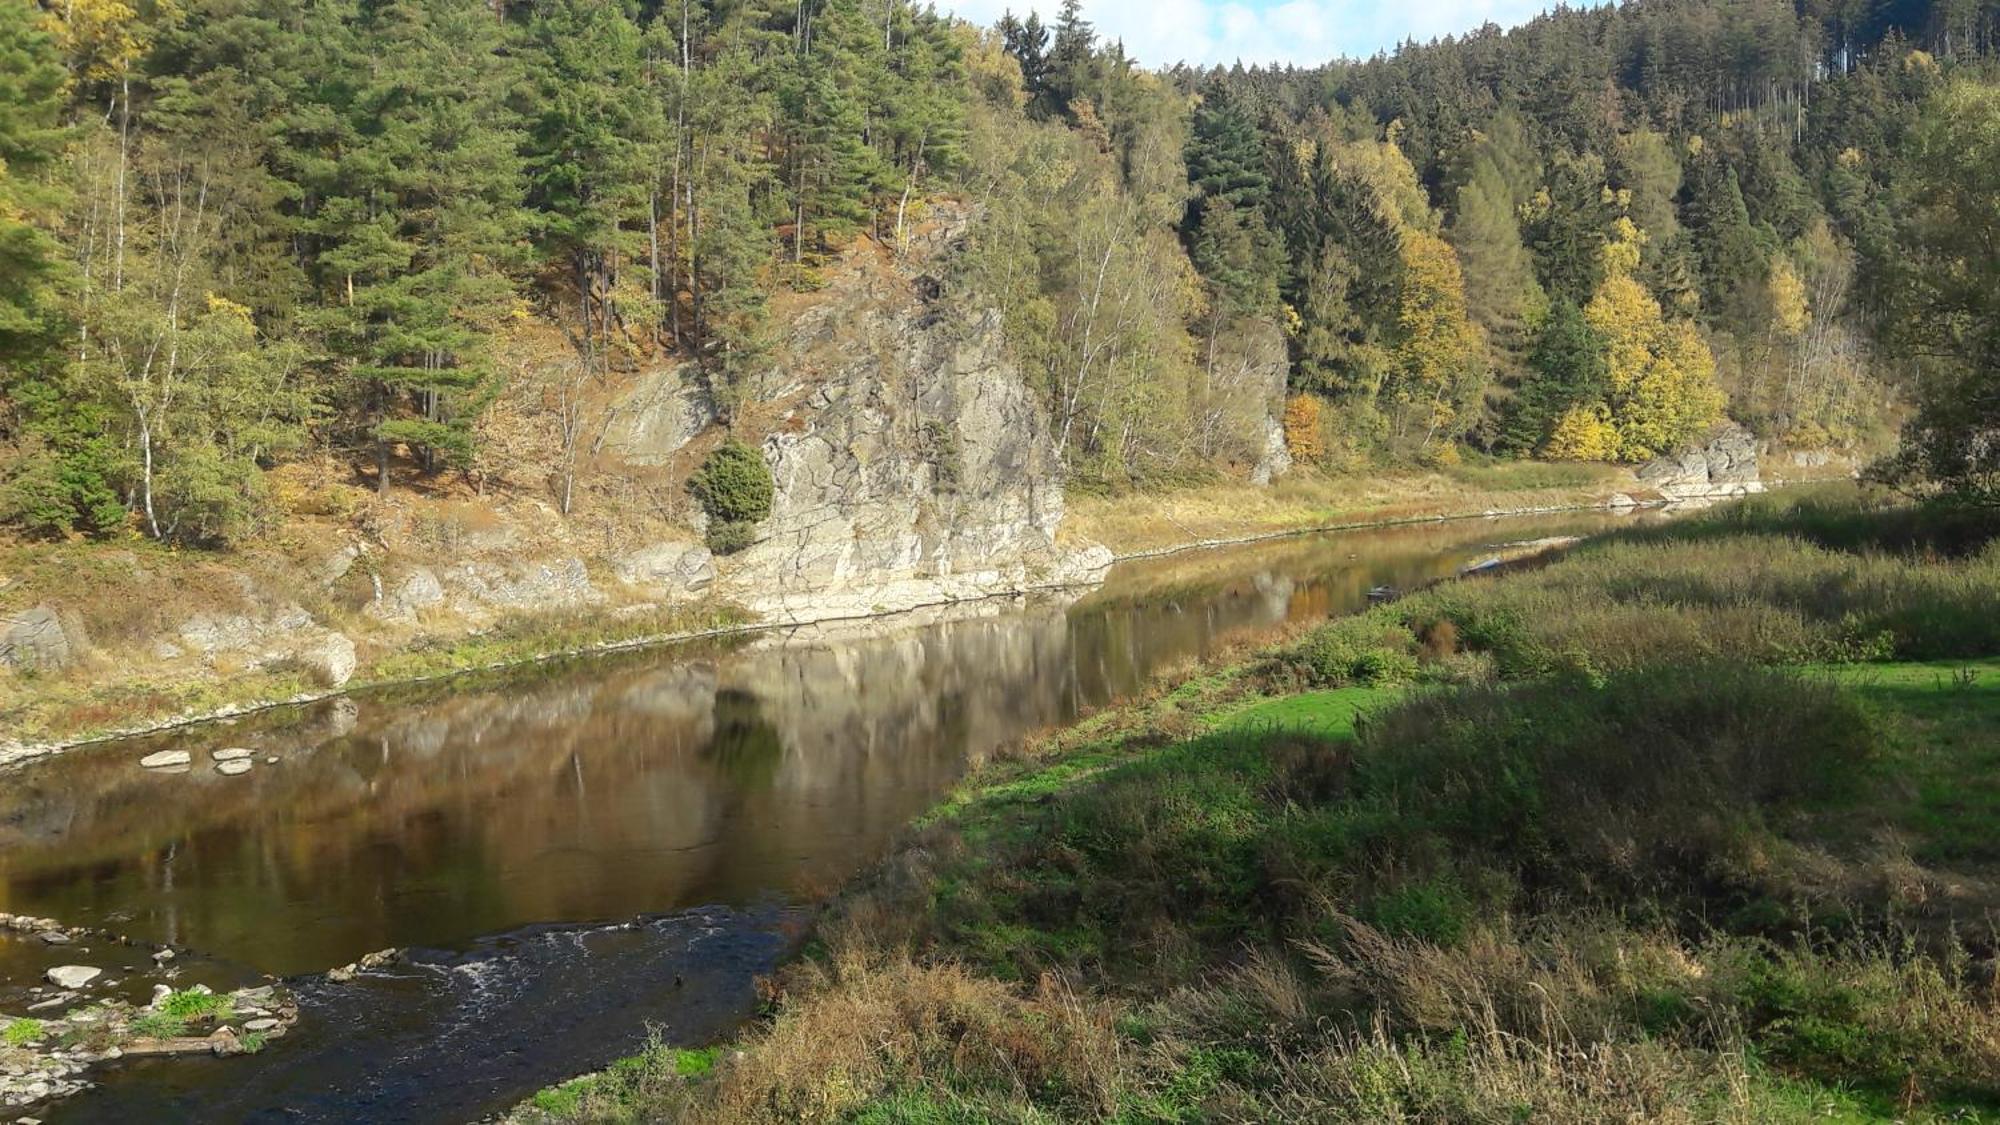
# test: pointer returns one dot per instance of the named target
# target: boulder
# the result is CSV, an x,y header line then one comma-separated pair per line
x,y
231,753
73,976
414,592
328,655
683,568
665,409
478,589
40,638
233,768
166,759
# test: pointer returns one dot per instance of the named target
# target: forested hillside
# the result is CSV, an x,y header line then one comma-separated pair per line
x,y
241,233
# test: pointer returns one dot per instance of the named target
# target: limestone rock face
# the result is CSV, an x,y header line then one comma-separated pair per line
x,y
667,408
1247,380
678,569
476,588
40,638
911,461
1723,467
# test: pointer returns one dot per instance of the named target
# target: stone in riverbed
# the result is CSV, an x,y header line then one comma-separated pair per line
x,y
73,976
165,759
232,753
265,1024
233,767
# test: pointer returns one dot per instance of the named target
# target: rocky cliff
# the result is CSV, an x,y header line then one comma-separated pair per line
x,y
912,462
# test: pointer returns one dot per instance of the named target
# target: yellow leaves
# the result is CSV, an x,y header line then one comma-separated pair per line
x,y
1789,312
1621,251
224,307
102,38
1921,61
1661,375
1850,158
1439,338
1696,145
1629,320
1583,433
1304,152
1398,198
1302,436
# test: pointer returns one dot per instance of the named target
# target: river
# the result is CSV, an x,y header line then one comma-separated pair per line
x,y
578,851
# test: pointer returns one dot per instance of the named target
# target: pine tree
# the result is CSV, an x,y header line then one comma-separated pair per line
x,y
418,217
592,139
31,141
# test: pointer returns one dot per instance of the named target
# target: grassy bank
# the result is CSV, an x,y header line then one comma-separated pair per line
x,y
1697,823
1134,524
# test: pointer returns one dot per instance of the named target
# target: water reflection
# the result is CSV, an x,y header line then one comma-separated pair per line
x,y
719,773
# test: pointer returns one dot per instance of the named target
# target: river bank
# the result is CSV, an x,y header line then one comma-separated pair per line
x,y
455,819
105,697
1429,820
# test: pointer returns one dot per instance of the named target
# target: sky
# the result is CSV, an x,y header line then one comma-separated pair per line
x,y
1162,32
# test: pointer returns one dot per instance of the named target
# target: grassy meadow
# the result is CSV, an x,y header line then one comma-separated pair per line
x,y
1700,822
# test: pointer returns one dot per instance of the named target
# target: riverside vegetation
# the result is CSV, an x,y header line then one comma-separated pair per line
x,y
1696,822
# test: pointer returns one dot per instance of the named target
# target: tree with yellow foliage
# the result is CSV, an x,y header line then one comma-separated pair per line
x,y
1661,375
1302,438
1438,378
1583,433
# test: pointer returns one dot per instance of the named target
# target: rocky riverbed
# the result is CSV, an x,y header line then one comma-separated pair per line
x,y
73,998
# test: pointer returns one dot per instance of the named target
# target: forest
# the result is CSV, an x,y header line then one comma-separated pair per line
x,y
239,233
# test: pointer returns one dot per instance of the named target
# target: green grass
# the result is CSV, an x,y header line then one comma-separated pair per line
x,y
1693,824
23,1030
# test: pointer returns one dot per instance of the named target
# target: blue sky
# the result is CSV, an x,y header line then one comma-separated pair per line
x,y
1162,32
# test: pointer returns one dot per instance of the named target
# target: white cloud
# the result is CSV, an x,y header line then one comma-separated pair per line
x,y
1305,32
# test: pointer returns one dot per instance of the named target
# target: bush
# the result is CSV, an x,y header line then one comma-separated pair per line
x,y
726,537
735,488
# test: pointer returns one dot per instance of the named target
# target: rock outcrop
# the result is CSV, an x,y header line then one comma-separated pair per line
x,y
264,636
911,461
1724,466
40,638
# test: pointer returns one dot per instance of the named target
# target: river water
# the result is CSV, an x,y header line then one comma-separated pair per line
x,y
580,851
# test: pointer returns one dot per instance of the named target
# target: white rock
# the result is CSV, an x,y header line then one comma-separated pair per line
x,y
73,976
165,758
232,768
260,1025
231,753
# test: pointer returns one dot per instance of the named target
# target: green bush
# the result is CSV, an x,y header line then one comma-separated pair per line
x,y
726,537
735,488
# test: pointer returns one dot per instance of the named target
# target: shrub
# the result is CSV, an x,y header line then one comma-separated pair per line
x,y
734,487
726,537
